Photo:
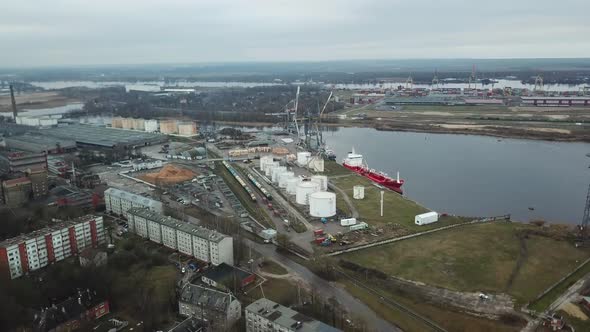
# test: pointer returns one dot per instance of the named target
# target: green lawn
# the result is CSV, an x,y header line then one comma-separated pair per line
x,y
544,302
396,208
332,168
450,320
478,257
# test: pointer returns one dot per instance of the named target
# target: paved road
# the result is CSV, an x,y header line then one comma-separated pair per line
x,y
353,210
324,288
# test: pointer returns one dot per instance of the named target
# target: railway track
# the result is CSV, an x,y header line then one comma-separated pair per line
x,y
394,304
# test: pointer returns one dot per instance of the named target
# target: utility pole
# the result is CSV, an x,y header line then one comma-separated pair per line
x,y
382,192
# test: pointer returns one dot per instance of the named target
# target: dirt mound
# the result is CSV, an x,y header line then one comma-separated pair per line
x,y
169,174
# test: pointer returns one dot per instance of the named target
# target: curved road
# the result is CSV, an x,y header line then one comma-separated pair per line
x,y
353,210
325,288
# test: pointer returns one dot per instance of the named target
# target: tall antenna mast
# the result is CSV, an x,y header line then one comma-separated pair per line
x,y
586,218
295,115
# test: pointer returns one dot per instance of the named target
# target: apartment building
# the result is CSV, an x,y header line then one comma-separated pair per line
x,y
29,252
219,309
204,244
264,315
119,201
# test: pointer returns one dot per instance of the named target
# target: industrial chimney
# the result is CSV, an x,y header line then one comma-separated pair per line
x,y
14,111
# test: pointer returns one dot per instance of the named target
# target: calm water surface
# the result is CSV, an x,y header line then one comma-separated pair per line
x,y
478,175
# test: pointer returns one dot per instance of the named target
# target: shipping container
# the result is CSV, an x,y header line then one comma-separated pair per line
x,y
348,222
426,218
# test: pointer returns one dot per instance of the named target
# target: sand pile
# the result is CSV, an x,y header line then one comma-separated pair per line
x,y
169,174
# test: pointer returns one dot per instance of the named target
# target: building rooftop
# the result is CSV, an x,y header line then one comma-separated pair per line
x,y
55,226
168,221
287,317
69,309
138,199
38,143
207,297
103,136
225,272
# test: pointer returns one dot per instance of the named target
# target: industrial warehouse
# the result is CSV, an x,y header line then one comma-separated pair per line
x,y
94,136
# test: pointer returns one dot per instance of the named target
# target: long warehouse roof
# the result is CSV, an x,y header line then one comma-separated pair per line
x,y
102,136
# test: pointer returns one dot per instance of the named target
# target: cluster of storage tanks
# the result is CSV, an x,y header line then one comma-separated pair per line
x,y
312,192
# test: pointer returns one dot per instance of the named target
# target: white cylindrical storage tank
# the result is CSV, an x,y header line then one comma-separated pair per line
x,y
276,172
358,192
322,180
284,177
269,167
292,185
265,160
303,158
322,204
303,190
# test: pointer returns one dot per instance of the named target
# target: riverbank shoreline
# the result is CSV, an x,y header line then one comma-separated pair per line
x,y
507,133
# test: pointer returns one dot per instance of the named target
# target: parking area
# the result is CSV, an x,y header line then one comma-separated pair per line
x,y
110,175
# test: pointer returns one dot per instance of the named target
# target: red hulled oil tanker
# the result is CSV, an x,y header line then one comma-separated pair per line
x,y
355,163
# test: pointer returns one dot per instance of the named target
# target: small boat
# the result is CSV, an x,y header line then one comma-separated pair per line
x,y
531,208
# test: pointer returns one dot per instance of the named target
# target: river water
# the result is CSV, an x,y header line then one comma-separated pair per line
x,y
477,175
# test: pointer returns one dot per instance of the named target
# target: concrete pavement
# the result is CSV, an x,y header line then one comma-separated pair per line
x,y
324,288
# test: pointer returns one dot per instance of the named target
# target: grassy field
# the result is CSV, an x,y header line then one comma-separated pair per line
x,y
576,323
397,209
272,267
277,290
544,302
332,168
478,257
452,321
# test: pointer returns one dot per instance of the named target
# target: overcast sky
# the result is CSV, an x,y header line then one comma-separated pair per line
x,y
73,32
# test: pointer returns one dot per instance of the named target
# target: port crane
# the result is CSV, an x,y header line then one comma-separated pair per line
x,y
318,125
538,83
410,83
435,81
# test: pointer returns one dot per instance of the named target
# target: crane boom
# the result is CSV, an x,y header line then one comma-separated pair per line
x,y
295,117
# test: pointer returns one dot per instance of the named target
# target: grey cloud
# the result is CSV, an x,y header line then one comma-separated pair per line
x,y
63,32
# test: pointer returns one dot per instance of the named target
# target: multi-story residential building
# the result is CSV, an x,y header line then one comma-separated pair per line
x,y
118,201
18,161
264,315
202,243
220,309
35,250
24,186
